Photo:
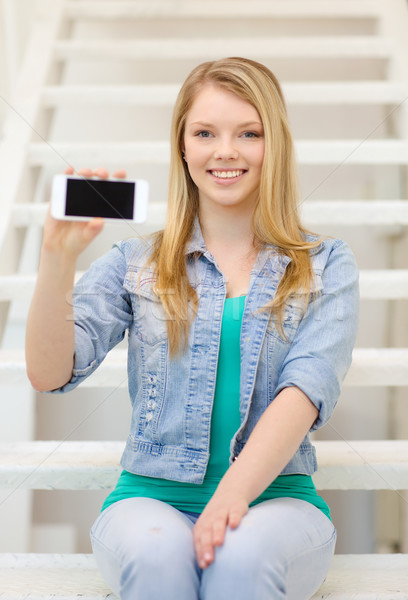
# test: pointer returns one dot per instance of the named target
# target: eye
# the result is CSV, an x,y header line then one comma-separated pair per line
x,y
203,134
250,134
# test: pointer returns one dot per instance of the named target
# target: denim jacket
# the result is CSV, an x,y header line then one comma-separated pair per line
x,y
172,396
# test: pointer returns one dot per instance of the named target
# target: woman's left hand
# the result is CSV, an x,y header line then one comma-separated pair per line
x,y
223,510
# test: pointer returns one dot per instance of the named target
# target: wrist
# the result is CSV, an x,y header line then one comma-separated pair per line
x,y
58,267
233,485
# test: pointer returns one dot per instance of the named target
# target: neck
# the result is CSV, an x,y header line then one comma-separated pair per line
x,y
227,228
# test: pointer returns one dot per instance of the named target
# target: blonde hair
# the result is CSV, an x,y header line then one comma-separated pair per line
x,y
275,219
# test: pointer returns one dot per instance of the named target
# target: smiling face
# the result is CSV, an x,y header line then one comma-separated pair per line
x,y
224,149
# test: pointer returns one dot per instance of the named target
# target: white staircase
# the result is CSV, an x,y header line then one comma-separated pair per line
x,y
96,88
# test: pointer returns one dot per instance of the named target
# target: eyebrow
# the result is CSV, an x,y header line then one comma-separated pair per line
x,y
247,124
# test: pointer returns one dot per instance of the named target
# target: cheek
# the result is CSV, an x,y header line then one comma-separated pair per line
x,y
260,155
196,157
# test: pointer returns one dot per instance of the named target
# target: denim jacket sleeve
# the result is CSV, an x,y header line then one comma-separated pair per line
x,y
102,314
320,354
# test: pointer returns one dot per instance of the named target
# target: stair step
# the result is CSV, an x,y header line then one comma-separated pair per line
x,y
212,48
213,9
343,465
370,367
375,284
355,213
51,576
342,92
314,212
75,576
309,152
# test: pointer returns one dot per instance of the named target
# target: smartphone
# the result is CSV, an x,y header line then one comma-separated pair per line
x,y
74,198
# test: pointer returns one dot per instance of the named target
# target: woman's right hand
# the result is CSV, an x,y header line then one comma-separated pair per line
x,y
50,337
70,238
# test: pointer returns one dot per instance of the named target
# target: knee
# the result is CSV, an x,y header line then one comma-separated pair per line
x,y
147,553
243,568
148,544
244,549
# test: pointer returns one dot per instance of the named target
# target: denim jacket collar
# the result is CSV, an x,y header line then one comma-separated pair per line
x,y
269,256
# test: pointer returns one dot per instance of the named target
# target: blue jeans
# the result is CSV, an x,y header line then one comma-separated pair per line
x,y
281,550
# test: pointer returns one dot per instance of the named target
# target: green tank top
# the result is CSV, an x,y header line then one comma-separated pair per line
x,y
225,421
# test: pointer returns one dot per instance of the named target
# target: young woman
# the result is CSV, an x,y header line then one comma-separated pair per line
x,y
241,327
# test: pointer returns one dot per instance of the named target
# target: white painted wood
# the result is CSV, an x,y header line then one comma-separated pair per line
x,y
15,287
67,576
355,213
51,576
393,23
17,415
370,367
388,284
374,284
10,33
60,465
345,92
366,577
23,109
63,154
348,464
213,9
316,93
352,152
28,214
134,95
351,464
309,152
314,212
368,47
378,367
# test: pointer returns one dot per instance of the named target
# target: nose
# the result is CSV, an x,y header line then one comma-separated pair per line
x,y
225,150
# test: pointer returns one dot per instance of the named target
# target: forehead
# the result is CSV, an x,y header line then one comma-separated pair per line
x,y
213,103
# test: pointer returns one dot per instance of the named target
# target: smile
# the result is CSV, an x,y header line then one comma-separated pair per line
x,y
227,174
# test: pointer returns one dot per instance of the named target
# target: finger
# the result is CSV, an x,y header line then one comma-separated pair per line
x,y
234,520
69,171
85,172
204,547
94,227
235,516
120,174
219,528
101,172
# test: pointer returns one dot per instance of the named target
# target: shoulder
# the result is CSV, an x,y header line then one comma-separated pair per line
x,y
330,251
135,251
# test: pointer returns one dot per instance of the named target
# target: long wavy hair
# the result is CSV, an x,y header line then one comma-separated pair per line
x,y
275,219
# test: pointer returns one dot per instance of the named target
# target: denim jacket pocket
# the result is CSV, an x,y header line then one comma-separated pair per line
x,y
149,319
292,313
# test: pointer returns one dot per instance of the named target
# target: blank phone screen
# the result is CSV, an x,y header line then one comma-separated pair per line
x,y
98,198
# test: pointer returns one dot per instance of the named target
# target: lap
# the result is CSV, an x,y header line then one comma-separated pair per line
x,y
287,543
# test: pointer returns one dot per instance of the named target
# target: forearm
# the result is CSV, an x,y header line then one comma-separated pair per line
x,y
50,339
273,442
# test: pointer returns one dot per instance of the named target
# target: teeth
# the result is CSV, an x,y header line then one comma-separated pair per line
x,y
226,174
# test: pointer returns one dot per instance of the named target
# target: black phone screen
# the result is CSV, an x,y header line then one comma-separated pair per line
x,y
98,198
